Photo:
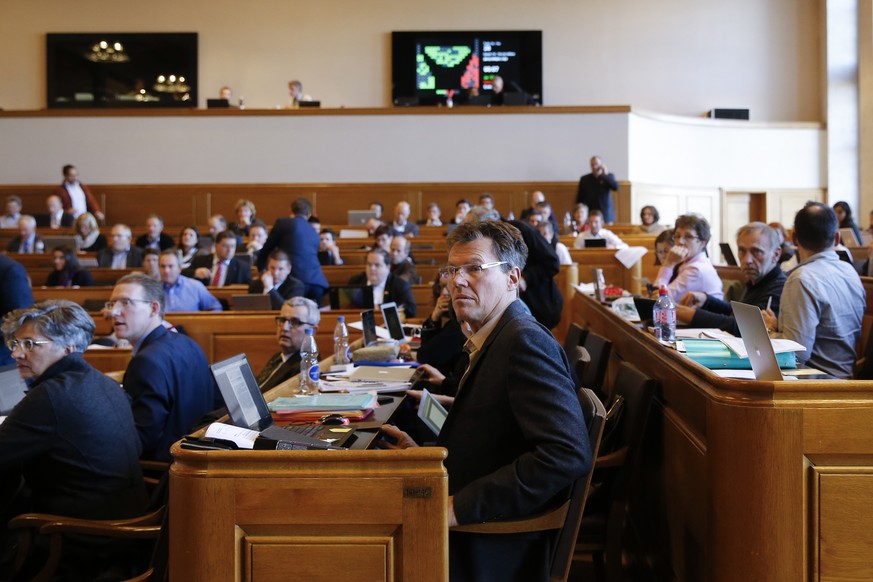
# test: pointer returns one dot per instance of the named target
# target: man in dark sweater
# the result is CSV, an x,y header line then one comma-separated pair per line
x,y
758,253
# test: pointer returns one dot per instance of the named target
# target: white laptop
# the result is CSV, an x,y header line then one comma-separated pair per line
x,y
360,217
848,238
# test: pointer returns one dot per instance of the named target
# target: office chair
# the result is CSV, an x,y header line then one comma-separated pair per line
x,y
615,465
575,336
567,517
55,529
599,348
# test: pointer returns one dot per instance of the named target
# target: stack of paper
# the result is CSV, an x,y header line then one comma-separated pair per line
x,y
324,403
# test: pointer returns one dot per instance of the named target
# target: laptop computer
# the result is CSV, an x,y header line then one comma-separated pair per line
x,y
248,409
53,241
847,237
251,302
754,334
360,217
391,316
217,103
12,388
595,243
728,254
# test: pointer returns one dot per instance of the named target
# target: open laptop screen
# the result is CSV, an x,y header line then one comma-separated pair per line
x,y
239,388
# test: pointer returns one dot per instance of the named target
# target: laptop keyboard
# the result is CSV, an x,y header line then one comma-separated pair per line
x,y
310,430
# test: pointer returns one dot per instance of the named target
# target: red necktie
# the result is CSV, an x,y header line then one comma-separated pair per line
x,y
216,280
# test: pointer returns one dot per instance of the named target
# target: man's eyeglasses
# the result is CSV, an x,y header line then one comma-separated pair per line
x,y
687,238
450,272
281,321
123,303
26,345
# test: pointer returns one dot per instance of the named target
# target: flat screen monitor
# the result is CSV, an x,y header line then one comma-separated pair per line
x,y
121,69
426,65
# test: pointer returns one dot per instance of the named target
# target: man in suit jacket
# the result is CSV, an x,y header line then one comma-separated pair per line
x,y
155,238
168,378
120,255
75,196
386,286
299,240
57,217
515,434
277,281
15,293
296,316
221,268
28,241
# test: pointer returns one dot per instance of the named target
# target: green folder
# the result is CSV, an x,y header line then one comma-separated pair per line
x,y
716,356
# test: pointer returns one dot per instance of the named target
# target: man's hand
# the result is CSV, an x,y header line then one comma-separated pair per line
x,y
684,314
100,217
403,440
431,374
203,273
453,519
693,299
769,320
267,280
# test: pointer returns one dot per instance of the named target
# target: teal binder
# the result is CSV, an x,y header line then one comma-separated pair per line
x,y
716,356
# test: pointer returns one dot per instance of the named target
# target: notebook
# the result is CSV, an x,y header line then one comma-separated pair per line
x,y
248,409
251,302
728,254
753,331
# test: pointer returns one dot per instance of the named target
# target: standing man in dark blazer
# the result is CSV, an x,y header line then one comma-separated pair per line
x,y
298,239
221,268
120,255
515,434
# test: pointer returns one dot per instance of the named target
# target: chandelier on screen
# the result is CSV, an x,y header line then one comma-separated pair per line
x,y
171,84
107,52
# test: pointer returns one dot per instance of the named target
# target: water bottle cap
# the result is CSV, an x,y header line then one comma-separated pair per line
x,y
309,331
341,318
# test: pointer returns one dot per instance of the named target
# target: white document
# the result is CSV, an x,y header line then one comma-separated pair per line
x,y
630,256
381,332
243,437
743,374
780,346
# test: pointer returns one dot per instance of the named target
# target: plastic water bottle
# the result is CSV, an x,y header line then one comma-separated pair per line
x,y
568,223
242,102
664,316
341,354
309,372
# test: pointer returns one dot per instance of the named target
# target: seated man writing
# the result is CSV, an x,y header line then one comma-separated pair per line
x,y
515,434
759,250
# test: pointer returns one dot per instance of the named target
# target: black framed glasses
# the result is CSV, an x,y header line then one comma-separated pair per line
x,y
26,345
473,271
281,321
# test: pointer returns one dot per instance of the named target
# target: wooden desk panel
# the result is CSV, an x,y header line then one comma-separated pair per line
x,y
736,482
280,515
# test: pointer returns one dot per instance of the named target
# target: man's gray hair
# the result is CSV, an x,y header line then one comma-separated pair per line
x,y
480,213
768,233
506,240
64,322
152,289
313,315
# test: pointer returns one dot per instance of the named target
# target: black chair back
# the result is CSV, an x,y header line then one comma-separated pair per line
x,y
599,349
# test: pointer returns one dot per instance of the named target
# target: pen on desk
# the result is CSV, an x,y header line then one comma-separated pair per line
x,y
769,301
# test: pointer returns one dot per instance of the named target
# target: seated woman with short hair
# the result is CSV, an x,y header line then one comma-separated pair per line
x,y
687,266
70,447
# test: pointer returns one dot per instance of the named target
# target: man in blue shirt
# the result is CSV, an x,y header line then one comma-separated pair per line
x,y
183,293
168,378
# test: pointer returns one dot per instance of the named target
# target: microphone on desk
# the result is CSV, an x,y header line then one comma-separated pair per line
x,y
265,444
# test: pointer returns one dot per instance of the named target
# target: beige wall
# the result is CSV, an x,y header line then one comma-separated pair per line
x,y
672,56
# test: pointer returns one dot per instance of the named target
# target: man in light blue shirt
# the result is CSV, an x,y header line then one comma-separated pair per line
x,y
823,300
183,293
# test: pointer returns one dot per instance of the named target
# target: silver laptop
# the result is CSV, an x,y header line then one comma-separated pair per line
x,y
248,409
12,388
53,241
392,321
360,217
847,237
753,332
251,302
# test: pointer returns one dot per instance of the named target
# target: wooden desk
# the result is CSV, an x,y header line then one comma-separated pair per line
x,y
747,480
308,515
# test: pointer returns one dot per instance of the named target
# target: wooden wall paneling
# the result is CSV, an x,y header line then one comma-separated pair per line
x,y
844,516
